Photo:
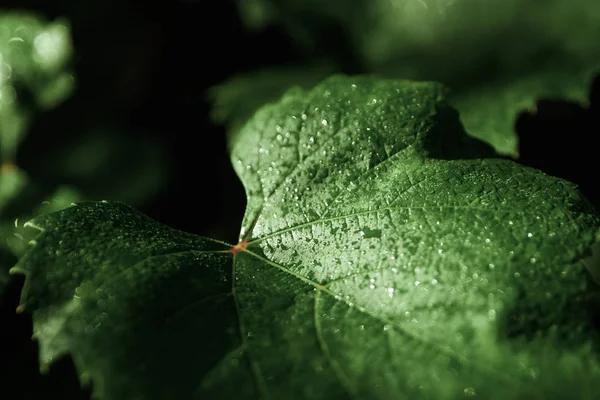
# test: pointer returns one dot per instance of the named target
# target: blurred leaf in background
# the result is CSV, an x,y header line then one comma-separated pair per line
x,y
497,58
34,73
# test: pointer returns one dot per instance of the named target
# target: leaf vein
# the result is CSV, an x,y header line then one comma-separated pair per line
x,y
254,367
365,173
355,214
344,380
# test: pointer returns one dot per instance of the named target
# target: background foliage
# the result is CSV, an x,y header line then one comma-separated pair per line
x,y
121,109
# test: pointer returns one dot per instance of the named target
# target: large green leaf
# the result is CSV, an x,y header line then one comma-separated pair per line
x,y
378,258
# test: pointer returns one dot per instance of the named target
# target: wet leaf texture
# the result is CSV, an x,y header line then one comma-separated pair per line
x,y
380,257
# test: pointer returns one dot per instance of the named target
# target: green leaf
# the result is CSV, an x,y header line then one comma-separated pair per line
x,y
120,284
34,55
380,257
489,112
499,58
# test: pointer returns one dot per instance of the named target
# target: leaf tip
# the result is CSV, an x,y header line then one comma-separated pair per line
x,y
15,270
20,309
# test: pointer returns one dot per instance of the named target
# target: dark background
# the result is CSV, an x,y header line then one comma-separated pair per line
x,y
145,67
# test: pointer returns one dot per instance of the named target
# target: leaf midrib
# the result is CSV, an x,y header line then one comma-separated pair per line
x,y
360,213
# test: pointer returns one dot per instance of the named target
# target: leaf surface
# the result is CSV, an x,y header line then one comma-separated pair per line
x,y
143,309
380,256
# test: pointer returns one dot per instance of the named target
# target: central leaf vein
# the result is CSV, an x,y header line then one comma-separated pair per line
x,y
360,213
